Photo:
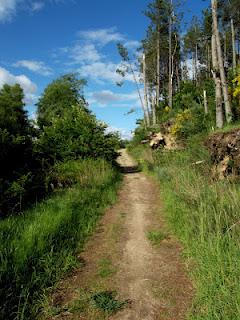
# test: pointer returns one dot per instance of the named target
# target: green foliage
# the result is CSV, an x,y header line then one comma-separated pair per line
x,y
190,122
16,149
123,52
156,237
76,134
140,134
193,36
107,302
38,247
187,96
58,96
66,130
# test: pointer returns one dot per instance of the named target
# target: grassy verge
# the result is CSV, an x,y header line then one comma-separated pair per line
x,y
38,247
205,215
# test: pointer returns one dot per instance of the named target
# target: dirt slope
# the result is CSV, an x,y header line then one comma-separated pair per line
x,y
151,277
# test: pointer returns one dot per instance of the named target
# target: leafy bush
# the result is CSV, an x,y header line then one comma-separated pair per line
x,y
58,96
190,122
76,134
140,134
16,159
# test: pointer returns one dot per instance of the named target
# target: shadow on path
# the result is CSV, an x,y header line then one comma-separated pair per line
x,y
130,169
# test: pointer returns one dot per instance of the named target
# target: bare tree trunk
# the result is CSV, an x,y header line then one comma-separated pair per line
x,y
205,101
225,49
158,77
139,95
194,65
216,77
238,51
145,90
170,85
178,77
208,60
196,62
153,107
228,109
234,45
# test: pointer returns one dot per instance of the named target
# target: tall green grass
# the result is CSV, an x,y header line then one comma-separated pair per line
x,y
205,215
38,247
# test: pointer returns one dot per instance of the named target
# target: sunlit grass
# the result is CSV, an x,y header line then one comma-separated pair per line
x,y
156,237
205,215
37,248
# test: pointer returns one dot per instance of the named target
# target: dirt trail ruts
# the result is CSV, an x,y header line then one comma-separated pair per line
x,y
153,278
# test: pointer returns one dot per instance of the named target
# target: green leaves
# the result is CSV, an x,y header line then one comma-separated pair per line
x,y
123,52
76,134
107,301
59,95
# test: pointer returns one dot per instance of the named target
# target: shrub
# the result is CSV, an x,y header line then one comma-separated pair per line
x,y
190,122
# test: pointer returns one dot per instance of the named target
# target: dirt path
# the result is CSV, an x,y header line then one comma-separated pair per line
x,y
133,254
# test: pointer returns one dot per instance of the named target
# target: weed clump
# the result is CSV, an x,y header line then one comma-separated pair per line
x,y
156,237
107,302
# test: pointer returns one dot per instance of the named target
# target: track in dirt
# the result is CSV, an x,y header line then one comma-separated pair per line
x,y
153,278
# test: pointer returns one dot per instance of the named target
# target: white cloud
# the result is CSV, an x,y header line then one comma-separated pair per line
x,y
89,59
101,36
37,6
35,66
86,53
7,9
105,97
108,98
132,44
124,133
28,86
102,71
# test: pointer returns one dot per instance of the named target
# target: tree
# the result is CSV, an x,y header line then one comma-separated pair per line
x,y
192,44
230,14
170,56
216,35
76,134
16,148
62,93
217,81
155,46
15,129
68,129
128,68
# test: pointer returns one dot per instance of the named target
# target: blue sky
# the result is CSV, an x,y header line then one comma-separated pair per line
x,y
42,39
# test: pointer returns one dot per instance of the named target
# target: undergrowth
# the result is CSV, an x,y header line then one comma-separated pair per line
x,y
155,237
107,302
39,246
205,215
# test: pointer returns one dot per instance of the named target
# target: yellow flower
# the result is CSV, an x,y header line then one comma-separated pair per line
x,y
236,91
167,109
181,117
